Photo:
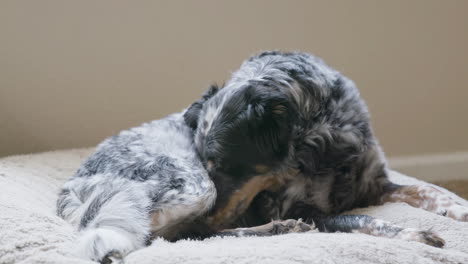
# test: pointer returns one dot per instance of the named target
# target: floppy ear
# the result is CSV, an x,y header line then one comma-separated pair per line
x,y
192,113
271,121
278,108
272,106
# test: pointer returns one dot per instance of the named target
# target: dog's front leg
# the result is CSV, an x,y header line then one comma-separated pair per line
x,y
276,227
361,224
428,198
376,227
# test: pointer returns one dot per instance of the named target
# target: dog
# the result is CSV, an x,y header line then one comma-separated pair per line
x,y
238,162
149,182
284,112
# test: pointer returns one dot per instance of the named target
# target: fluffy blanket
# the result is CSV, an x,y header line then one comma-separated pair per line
x,y
31,233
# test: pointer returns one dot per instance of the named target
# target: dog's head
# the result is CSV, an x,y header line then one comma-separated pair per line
x,y
246,130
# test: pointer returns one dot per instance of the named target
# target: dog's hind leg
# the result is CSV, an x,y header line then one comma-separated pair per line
x,y
111,214
276,227
112,223
376,227
428,198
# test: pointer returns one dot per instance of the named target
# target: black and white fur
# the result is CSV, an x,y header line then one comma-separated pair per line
x,y
283,110
143,183
284,116
289,110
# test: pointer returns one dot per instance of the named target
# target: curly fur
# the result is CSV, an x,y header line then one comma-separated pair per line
x,y
287,138
286,111
283,110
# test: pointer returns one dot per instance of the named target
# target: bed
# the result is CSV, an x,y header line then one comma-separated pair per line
x,y
30,232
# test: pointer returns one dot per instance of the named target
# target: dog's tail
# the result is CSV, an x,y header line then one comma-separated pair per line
x,y
112,219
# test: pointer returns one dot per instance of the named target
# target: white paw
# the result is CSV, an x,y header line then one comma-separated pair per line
x,y
457,212
105,245
112,257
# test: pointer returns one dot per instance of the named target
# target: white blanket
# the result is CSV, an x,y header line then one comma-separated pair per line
x,y
31,233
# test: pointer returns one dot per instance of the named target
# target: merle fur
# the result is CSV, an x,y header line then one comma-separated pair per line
x,y
279,111
322,128
149,170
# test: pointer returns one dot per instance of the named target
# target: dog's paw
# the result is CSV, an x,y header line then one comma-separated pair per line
x,y
105,245
113,257
434,200
457,212
291,226
427,237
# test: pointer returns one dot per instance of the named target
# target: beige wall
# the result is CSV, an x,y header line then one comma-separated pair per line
x,y
75,72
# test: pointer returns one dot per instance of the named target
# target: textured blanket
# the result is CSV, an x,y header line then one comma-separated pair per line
x,y
31,233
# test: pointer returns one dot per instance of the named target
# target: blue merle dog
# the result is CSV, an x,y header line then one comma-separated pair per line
x,y
286,138
290,114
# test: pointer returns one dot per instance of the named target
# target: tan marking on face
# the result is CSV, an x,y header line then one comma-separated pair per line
x,y
241,199
260,168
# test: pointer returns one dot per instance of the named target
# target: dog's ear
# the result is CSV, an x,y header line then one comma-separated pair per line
x,y
272,106
193,112
271,120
